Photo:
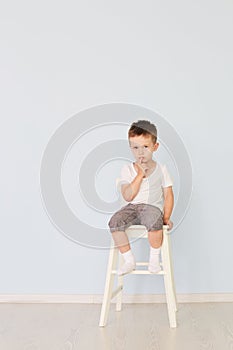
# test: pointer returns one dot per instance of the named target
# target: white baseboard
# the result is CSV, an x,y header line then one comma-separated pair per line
x,y
97,299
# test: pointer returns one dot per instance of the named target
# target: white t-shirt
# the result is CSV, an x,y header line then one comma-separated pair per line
x,y
151,189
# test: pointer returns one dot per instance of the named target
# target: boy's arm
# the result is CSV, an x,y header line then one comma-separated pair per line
x,y
168,203
129,191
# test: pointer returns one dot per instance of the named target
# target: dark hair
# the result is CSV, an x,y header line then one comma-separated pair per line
x,y
143,127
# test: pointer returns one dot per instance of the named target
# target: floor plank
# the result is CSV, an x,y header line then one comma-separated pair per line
x,y
201,326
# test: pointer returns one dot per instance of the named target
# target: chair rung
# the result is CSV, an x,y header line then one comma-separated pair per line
x,y
116,291
142,263
141,272
146,272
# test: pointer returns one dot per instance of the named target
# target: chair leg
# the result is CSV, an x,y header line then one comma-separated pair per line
x,y
172,272
168,282
119,285
169,259
112,263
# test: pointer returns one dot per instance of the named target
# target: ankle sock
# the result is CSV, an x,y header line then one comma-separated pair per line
x,y
155,251
154,261
128,256
129,263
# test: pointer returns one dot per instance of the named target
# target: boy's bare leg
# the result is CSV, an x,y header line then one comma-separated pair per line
x,y
121,241
155,238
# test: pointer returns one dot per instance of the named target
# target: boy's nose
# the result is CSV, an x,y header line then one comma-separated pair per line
x,y
141,151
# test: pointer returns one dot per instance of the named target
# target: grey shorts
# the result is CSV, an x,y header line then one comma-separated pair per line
x,y
137,214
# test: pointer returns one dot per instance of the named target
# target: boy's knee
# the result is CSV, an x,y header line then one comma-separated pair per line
x,y
113,224
153,219
154,225
116,223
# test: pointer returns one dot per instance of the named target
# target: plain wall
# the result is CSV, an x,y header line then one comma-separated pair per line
x,y
60,58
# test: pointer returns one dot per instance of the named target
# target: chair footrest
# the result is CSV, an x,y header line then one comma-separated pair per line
x,y
141,272
144,263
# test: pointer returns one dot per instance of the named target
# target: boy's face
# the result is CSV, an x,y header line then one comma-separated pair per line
x,y
142,148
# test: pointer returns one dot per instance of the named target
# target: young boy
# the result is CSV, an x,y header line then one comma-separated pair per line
x,y
147,186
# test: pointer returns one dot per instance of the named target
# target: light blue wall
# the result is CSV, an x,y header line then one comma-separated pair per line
x,y
174,57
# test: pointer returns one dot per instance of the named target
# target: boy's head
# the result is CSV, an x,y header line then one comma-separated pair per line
x,y
145,128
142,137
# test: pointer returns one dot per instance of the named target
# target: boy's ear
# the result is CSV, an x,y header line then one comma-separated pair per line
x,y
156,146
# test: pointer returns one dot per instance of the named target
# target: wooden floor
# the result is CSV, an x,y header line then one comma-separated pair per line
x,y
201,326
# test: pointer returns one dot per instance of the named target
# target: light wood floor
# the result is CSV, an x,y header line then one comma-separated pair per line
x,y
201,326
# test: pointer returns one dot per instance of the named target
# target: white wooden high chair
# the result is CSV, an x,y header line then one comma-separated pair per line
x,y
115,258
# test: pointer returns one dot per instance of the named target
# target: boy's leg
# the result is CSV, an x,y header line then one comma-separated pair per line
x,y
123,218
152,218
118,223
155,238
121,241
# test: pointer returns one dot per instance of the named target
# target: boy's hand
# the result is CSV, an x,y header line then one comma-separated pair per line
x,y
141,168
169,223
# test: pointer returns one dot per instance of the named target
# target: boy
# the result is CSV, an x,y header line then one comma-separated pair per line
x,y
147,186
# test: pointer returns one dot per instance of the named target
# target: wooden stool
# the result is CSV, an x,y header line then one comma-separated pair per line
x,y
139,231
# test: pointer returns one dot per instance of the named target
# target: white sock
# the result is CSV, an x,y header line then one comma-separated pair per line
x,y
128,256
154,261
129,263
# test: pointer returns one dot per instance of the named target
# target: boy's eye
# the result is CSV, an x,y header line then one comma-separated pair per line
x,y
136,147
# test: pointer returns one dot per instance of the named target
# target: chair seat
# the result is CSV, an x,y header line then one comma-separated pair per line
x,y
139,231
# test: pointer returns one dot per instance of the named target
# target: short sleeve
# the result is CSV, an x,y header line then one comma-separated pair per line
x,y
166,178
125,177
